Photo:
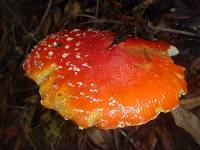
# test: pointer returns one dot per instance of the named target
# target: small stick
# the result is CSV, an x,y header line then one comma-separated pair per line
x,y
44,16
174,31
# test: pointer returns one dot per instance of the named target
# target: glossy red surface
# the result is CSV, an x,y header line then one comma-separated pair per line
x,y
128,84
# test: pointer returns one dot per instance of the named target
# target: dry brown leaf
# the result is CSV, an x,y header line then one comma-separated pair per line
x,y
72,7
97,137
188,121
176,15
195,66
57,16
165,138
33,99
190,102
152,140
46,27
140,9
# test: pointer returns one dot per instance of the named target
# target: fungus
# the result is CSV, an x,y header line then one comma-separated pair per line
x,y
125,85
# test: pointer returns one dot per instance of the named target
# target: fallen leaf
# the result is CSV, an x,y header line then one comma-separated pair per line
x,y
188,121
72,7
165,138
152,140
98,138
33,99
195,66
176,15
57,14
190,103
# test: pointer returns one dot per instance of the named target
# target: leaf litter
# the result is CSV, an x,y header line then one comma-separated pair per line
x,y
25,124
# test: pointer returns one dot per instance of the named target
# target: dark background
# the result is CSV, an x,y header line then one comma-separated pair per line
x,y
25,124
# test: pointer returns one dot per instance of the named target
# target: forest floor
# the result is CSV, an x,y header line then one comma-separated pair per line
x,y
25,124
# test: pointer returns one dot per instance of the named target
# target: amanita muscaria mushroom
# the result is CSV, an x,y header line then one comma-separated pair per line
x,y
127,84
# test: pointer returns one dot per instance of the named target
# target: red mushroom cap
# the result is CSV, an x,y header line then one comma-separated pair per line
x,y
128,84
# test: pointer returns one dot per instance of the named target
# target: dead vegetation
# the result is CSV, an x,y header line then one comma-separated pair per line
x,y
25,124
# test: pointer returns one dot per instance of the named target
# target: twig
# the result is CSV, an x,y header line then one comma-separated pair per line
x,y
107,9
141,8
17,21
44,16
174,31
117,141
84,140
126,137
38,28
26,52
31,35
5,35
8,8
97,9
27,131
13,33
80,15
13,107
101,21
